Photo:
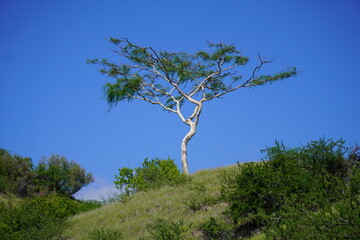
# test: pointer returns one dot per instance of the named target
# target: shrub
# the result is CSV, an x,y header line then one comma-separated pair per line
x,y
152,174
16,175
162,229
295,188
34,219
105,234
57,174
88,205
39,218
340,220
214,229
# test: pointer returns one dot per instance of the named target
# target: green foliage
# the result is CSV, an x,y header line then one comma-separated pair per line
x,y
59,207
310,190
33,219
162,229
214,229
39,218
332,221
150,75
152,174
88,205
57,174
16,175
105,234
269,79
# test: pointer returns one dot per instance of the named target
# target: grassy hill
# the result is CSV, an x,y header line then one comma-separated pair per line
x,y
190,202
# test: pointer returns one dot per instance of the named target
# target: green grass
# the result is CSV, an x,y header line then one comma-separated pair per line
x,y
132,217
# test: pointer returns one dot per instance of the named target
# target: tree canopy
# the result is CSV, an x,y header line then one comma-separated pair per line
x,y
57,174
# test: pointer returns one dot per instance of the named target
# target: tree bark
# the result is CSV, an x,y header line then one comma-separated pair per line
x,y
184,143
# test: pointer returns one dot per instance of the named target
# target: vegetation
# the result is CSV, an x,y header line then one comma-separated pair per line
x,y
164,229
38,218
170,80
153,173
54,175
57,174
16,174
105,234
35,202
168,203
308,192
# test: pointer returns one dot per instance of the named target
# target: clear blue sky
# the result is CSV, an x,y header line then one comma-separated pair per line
x,y
51,101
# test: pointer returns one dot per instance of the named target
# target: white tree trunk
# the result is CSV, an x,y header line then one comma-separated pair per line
x,y
184,143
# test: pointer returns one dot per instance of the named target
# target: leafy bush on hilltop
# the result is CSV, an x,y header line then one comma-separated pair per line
x,y
152,174
53,175
311,190
16,174
57,174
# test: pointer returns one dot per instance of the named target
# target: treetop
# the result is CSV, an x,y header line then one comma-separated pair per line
x,y
170,78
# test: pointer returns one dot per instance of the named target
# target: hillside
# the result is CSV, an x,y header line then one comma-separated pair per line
x,y
132,217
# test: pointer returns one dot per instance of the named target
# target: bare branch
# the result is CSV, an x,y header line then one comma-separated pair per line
x,y
245,84
203,82
153,102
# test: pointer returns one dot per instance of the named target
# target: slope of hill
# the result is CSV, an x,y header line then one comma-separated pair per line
x,y
190,202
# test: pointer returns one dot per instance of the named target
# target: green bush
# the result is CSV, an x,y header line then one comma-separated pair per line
x,y
105,234
339,220
152,174
57,174
34,219
295,188
39,218
88,205
16,174
214,229
162,229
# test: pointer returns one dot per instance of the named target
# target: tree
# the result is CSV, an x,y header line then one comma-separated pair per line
x,y
169,79
16,174
57,174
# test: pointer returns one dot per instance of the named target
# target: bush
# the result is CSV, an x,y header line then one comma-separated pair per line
x,y
34,219
57,174
16,175
152,174
336,221
213,229
39,218
88,205
295,188
105,234
162,229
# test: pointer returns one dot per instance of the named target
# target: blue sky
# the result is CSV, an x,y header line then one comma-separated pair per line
x,y
51,101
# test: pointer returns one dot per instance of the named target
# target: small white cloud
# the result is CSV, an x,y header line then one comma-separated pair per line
x,y
99,190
